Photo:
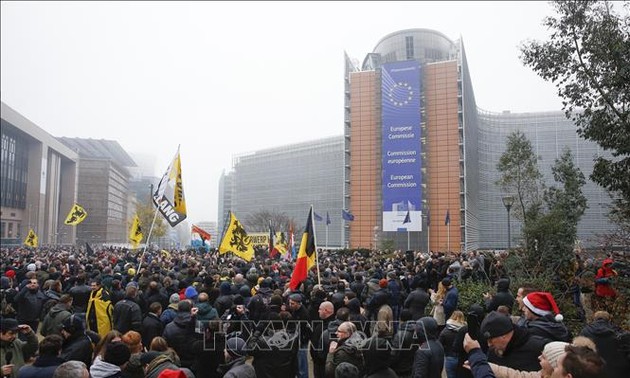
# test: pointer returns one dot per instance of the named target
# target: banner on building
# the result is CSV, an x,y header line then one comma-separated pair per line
x,y
401,149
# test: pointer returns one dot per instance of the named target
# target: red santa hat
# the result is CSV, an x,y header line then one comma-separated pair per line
x,y
542,303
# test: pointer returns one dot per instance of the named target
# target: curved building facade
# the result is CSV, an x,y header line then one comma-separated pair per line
x,y
418,80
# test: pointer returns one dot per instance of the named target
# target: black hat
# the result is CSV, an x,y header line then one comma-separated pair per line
x,y
9,324
238,300
446,281
117,353
496,324
72,324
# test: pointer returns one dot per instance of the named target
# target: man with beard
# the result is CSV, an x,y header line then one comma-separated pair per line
x,y
510,345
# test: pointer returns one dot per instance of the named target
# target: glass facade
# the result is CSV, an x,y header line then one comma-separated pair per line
x,y
549,133
288,180
13,167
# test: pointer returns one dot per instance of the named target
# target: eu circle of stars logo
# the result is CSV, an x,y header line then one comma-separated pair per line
x,y
400,94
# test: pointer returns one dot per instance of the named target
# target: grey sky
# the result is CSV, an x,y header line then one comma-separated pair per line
x,y
224,78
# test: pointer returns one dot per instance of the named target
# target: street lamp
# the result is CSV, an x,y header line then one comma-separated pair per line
x,y
508,201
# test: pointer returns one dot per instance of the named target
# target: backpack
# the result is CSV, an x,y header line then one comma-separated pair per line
x,y
46,307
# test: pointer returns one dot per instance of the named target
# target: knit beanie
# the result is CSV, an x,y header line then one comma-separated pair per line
x,y
236,347
191,293
117,353
174,298
552,352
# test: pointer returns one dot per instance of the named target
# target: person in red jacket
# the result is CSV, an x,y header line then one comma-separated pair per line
x,y
605,294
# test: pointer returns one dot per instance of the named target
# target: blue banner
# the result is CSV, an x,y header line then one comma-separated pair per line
x,y
401,162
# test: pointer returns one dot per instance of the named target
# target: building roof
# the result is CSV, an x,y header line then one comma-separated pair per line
x,y
99,149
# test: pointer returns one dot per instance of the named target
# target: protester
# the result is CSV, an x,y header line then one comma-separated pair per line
x,y
13,351
48,360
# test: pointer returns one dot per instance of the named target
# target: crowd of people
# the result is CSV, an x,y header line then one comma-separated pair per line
x,y
66,313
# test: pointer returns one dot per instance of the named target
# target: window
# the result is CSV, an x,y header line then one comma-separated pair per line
x,y
409,47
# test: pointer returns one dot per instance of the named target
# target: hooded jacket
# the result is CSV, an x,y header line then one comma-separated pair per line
x,y
547,328
404,346
604,335
347,351
102,369
603,286
521,352
18,349
503,297
448,335
52,322
429,358
180,334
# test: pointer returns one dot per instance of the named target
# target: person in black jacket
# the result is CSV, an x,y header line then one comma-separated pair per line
x,y
404,345
510,345
29,301
127,313
77,345
429,358
151,324
446,338
318,353
417,300
275,348
605,336
180,333
477,360
503,297
377,353
47,361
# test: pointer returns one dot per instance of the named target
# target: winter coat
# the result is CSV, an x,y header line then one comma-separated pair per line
x,y
127,316
502,298
448,335
605,337
169,314
429,358
275,353
385,314
479,364
603,278
43,367
318,353
417,302
52,321
29,305
521,352
77,347
404,346
548,328
238,368
18,349
450,302
377,356
206,311
151,327
438,310
180,335
347,351
80,297
159,363
102,369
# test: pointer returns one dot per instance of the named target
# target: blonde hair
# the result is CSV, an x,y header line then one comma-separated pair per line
x,y
458,316
584,342
159,344
441,291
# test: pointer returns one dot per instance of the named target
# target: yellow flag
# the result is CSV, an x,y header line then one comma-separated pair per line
x,y
77,215
31,239
165,253
236,240
135,234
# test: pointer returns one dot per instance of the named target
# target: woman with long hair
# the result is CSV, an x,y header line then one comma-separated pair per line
x,y
447,336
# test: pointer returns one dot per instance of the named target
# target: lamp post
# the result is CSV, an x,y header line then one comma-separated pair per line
x,y
508,201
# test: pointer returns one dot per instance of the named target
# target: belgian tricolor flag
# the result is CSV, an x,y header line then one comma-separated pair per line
x,y
306,256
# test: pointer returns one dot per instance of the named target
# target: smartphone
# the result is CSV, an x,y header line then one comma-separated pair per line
x,y
473,325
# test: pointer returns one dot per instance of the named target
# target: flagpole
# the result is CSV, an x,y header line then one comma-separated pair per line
x,y
408,248
319,279
448,237
147,242
326,234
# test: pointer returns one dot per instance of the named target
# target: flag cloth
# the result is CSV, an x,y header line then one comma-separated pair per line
x,y
306,256
165,253
236,240
327,219
347,215
407,218
135,234
200,235
280,244
169,195
447,220
88,250
31,239
76,215
318,217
